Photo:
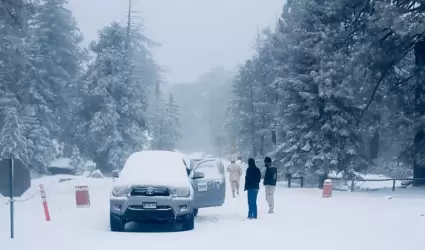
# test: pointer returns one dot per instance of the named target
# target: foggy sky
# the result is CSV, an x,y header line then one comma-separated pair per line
x,y
195,35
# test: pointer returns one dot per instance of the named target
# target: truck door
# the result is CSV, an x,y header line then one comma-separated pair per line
x,y
210,191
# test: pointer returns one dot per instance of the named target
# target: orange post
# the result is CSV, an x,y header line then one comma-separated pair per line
x,y
327,189
45,206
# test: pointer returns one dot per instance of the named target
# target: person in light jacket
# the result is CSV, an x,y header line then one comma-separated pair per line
x,y
252,185
235,173
270,179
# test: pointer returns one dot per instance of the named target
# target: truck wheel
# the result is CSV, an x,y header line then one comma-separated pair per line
x,y
195,212
117,223
188,223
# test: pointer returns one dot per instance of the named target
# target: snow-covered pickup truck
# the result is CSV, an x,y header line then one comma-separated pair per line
x,y
156,186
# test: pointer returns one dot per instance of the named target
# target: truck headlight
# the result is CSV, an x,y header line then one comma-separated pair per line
x,y
180,192
120,191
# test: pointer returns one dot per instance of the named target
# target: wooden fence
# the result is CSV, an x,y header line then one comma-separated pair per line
x,y
289,178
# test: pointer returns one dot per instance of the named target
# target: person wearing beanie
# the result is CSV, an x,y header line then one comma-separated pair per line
x,y
270,179
252,185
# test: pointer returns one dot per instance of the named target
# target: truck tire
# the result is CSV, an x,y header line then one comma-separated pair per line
x,y
195,212
117,223
188,223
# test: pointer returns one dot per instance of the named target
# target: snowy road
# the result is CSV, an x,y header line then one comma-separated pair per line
x,y
303,220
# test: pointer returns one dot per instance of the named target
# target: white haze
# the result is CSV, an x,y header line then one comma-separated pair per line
x,y
196,35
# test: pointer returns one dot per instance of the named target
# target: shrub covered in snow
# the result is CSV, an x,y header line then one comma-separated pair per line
x,y
391,169
97,174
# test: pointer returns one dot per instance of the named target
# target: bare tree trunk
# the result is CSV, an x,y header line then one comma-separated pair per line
x,y
161,128
419,141
127,44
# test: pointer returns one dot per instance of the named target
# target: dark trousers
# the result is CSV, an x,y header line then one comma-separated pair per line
x,y
252,203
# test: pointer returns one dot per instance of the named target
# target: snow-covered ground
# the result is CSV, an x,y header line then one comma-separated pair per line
x,y
303,220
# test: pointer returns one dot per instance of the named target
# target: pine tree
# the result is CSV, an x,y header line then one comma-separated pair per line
x,y
77,162
294,94
396,73
113,123
13,143
267,96
346,84
318,108
13,58
255,107
50,84
156,116
169,134
244,109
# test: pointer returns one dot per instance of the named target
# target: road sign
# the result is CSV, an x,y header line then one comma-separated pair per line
x,y
21,178
15,179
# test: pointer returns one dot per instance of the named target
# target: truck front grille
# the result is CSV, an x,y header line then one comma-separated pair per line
x,y
150,191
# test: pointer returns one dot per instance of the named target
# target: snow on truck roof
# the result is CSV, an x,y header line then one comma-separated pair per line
x,y
155,167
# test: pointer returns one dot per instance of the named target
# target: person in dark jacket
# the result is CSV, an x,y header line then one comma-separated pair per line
x,y
270,179
252,185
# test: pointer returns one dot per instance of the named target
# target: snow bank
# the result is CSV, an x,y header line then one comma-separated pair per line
x,y
58,185
61,163
54,178
154,168
374,185
66,163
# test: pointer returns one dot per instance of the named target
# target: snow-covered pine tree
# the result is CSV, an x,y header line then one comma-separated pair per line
x,y
77,162
147,69
13,59
251,117
317,107
266,93
41,150
394,32
113,122
169,133
48,89
349,89
230,128
243,110
155,114
13,143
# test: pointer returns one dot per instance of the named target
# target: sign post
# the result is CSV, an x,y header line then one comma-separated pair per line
x,y
15,180
11,200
